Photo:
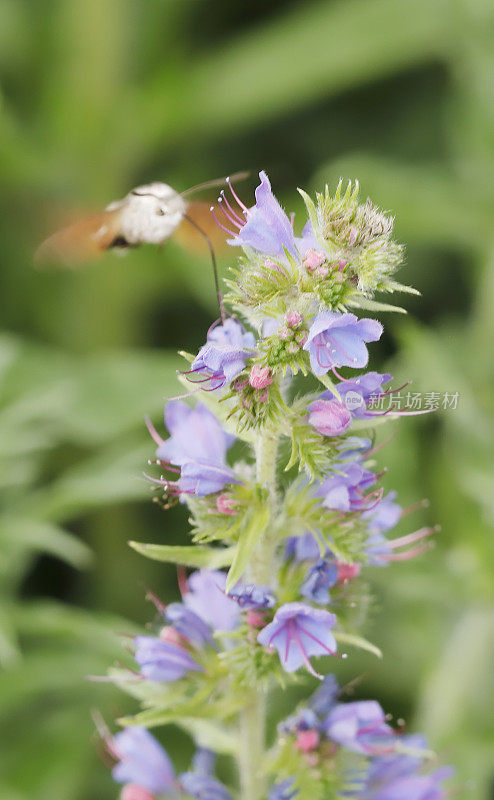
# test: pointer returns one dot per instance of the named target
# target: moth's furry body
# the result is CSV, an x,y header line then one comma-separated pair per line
x,y
148,214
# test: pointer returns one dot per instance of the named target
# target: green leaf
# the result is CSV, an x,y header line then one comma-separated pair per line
x,y
357,641
9,650
195,709
246,544
31,534
328,383
193,556
386,37
373,305
311,211
402,287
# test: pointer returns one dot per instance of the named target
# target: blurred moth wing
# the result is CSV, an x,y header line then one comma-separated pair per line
x,y
81,241
148,214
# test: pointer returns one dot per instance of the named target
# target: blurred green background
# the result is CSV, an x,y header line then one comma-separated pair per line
x,y
98,96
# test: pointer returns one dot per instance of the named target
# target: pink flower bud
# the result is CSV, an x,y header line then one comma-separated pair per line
x,y
225,505
341,264
170,635
260,377
134,792
313,259
329,417
307,741
284,333
322,271
256,619
293,319
347,571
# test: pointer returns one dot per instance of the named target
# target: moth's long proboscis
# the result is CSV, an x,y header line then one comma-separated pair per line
x,y
215,266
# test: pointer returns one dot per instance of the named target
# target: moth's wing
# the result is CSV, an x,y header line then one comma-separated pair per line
x,y
198,213
81,241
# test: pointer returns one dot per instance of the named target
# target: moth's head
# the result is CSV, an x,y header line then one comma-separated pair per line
x,y
150,213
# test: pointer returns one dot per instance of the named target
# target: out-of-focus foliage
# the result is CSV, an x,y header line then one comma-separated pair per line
x,y
98,96
68,446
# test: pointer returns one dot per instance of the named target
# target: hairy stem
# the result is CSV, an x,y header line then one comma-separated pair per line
x,y
252,745
253,716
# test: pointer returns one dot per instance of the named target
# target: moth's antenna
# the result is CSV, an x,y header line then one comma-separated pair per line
x,y
238,176
215,266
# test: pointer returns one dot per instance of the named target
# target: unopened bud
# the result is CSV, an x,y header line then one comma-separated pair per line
x,y
322,271
260,377
225,504
134,792
329,417
256,619
293,319
313,259
307,741
347,571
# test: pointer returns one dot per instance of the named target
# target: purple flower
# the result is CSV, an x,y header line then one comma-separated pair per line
x,y
188,624
202,479
324,698
195,435
409,787
203,761
198,445
345,491
361,727
320,578
207,598
397,777
265,227
357,392
380,551
385,515
302,548
389,767
308,241
308,718
297,632
249,596
283,790
329,417
303,720
382,518
223,357
338,340
143,762
201,786
163,661
353,448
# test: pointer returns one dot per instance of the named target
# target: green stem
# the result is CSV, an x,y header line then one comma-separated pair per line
x,y
252,745
253,717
